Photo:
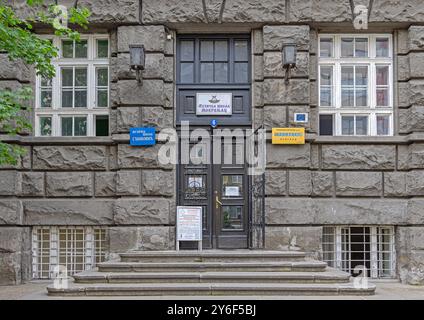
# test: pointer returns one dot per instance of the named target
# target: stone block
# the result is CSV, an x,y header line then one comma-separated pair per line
x,y
322,184
127,117
274,116
405,11
258,68
300,183
311,125
275,183
14,70
258,41
411,157
320,11
257,94
155,67
358,157
15,244
395,184
275,36
152,37
410,251
124,239
69,184
416,60
23,162
415,183
403,94
158,183
416,38
305,239
416,92
69,157
277,91
411,119
288,211
8,183
128,183
141,211
359,184
105,184
10,212
415,211
403,41
403,73
157,117
146,158
130,92
32,184
68,212
288,156
273,67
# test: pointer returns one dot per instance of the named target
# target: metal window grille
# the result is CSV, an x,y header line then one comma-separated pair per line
x,y
348,247
76,248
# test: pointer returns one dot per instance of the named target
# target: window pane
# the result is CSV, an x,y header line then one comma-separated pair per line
x,y
326,48
326,75
347,47
80,126
383,125
46,99
241,72
102,126
241,50
361,125
67,77
67,99
361,47
347,125
221,50
81,49
187,72
46,82
326,125
232,217
361,98
347,76
325,97
67,48
206,50
66,127
382,75
348,98
361,76
187,50
221,72
81,99
232,186
46,126
102,48
102,77
102,99
382,97
80,77
206,72
382,47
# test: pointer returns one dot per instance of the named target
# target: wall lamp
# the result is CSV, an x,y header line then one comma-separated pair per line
x,y
289,53
137,60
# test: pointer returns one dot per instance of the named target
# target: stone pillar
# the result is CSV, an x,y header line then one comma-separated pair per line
x,y
410,247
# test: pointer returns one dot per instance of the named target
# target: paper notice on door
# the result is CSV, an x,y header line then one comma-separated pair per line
x,y
232,191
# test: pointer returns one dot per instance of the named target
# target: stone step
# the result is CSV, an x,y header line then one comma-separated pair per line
x,y
205,289
329,276
211,255
283,266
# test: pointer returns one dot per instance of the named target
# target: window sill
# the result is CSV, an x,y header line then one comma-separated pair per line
x,y
406,139
31,140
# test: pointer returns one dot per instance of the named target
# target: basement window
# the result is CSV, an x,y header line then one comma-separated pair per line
x,y
76,248
345,248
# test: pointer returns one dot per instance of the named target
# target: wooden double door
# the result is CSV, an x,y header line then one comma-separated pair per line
x,y
219,184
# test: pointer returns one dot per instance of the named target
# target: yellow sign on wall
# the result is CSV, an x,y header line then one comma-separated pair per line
x,y
288,135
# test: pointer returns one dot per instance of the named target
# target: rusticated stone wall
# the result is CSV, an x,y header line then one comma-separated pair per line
x,y
327,181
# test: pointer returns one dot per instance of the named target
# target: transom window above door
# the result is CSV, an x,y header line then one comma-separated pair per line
x,y
356,84
76,101
213,61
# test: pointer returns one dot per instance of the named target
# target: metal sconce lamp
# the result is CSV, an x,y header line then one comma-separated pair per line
x,y
137,60
289,53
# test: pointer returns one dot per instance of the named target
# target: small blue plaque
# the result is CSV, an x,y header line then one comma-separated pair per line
x,y
214,123
142,136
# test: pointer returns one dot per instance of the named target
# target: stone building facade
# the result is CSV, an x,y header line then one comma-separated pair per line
x,y
318,196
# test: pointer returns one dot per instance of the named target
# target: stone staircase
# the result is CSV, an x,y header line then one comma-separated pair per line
x,y
211,272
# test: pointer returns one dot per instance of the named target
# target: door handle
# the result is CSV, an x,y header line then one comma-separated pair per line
x,y
217,202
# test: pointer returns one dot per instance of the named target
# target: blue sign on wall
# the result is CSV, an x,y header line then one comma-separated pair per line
x,y
142,136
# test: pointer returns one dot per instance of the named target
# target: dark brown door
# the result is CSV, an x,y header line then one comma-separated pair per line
x,y
221,189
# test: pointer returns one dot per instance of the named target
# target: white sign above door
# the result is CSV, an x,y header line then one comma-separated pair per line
x,y
212,104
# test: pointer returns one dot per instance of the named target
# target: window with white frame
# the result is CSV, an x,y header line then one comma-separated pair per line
x,y
346,247
75,103
355,84
76,248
